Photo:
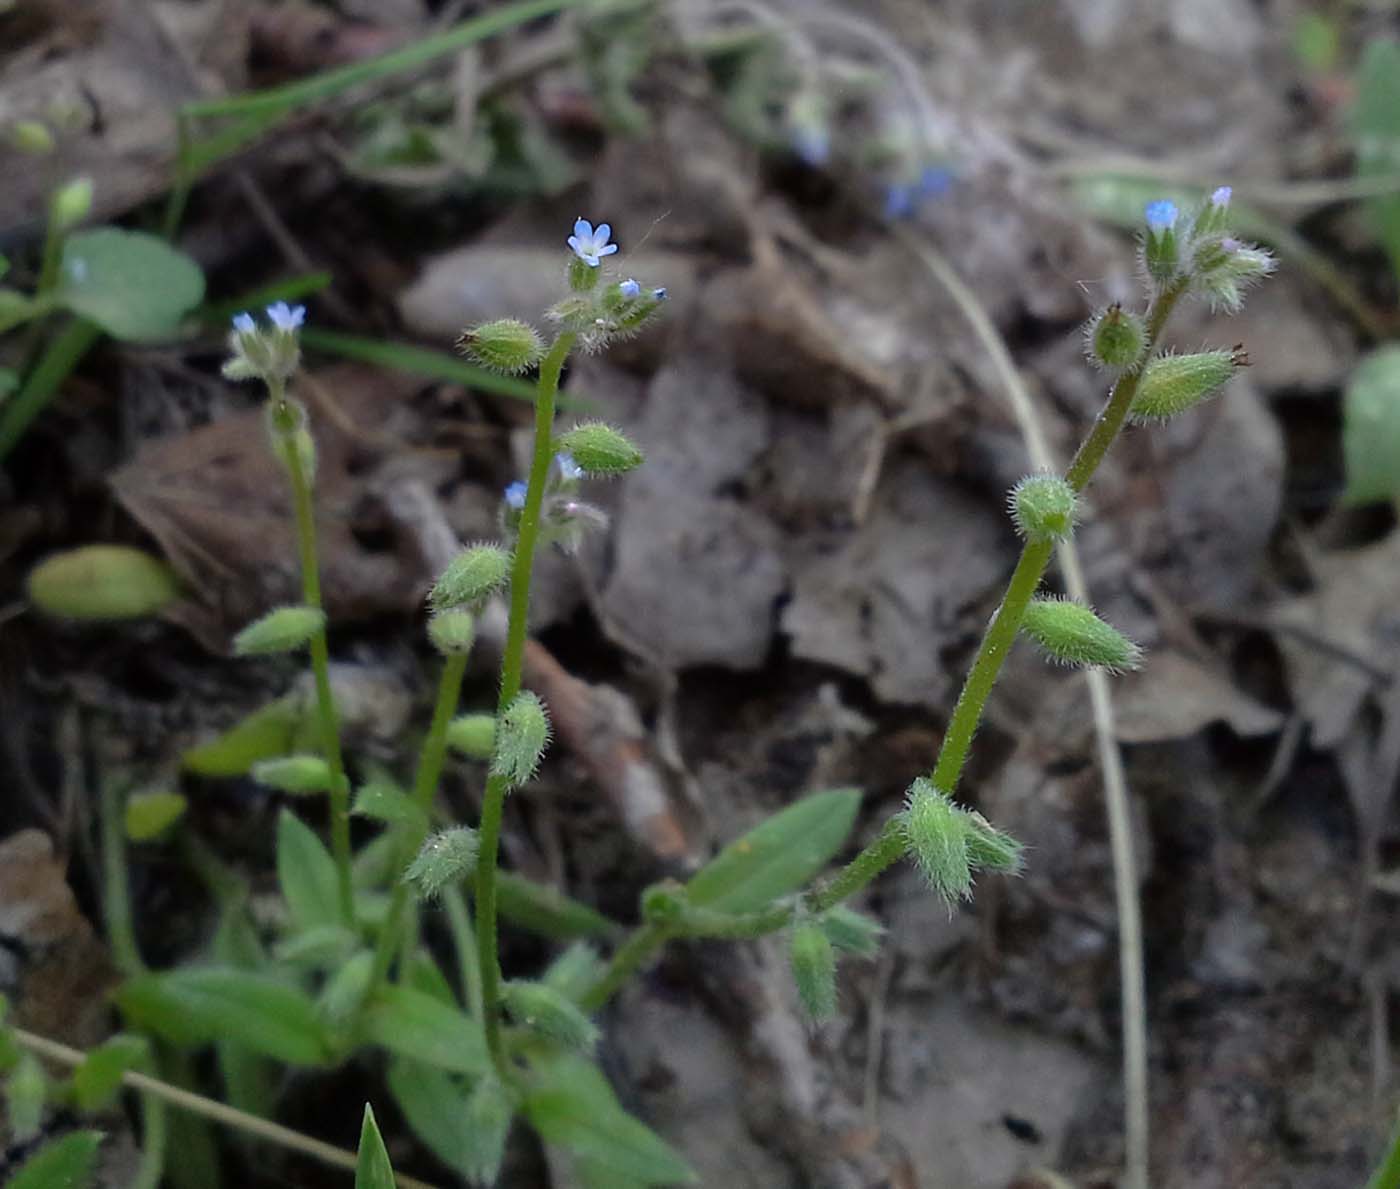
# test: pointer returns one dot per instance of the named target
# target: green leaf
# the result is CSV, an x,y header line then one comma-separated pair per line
x,y
298,774
102,582
1375,125
548,912
26,1091
306,873
777,857
133,285
372,1167
385,801
434,1103
267,732
149,815
99,1077
66,1163
1371,428
414,1024
575,1109
196,1006
9,380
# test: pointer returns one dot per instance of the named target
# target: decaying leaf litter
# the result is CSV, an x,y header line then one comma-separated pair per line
x,y
775,600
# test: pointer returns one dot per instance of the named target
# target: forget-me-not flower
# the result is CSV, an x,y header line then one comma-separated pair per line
x,y
590,244
1161,215
244,324
515,495
630,288
1221,197
285,317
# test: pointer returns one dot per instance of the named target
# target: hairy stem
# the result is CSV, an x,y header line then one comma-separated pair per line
x,y
116,890
320,653
512,662
1030,569
425,783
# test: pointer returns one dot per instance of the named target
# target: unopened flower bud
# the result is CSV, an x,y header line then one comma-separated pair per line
x,y
1115,339
283,630
1043,508
599,449
1223,269
452,631
71,204
505,345
1072,634
991,849
473,735
937,836
521,739
471,578
1171,384
1160,248
814,970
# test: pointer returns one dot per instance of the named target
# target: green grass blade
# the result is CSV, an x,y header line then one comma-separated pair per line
x,y
60,357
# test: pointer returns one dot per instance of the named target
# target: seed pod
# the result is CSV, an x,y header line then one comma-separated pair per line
x,y
814,970
282,630
937,836
473,735
1115,339
1171,384
1072,634
1043,508
102,582
599,449
542,1009
471,578
521,738
445,858
505,345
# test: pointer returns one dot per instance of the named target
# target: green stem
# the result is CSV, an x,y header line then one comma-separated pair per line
x,y
512,663
459,920
1030,569
425,783
628,958
153,1138
1387,1176
285,423
116,899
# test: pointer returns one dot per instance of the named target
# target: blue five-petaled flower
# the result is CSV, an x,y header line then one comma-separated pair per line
x,y
1161,215
1221,197
515,495
286,317
244,324
590,244
629,288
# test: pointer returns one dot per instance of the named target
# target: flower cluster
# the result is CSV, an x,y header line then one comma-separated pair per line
x,y
564,517
269,353
601,312
1200,252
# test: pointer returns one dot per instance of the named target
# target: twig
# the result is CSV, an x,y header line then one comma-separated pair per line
x,y
208,1108
1115,787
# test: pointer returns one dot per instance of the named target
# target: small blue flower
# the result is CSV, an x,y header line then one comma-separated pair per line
x,y
285,317
1221,197
244,324
659,294
629,288
899,200
568,468
813,145
1161,215
589,244
515,495
935,181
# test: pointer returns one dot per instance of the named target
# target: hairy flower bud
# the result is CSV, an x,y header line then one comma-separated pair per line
x,y
1115,339
544,1010
521,738
1171,384
1043,508
814,970
473,735
284,630
1211,217
1160,248
1072,634
505,345
852,931
991,849
937,835
1223,269
599,449
452,631
471,578
445,858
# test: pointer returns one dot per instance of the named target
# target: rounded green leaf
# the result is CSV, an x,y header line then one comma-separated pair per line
x,y
133,285
102,582
148,815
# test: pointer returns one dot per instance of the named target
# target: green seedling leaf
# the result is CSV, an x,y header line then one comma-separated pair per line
x,y
267,732
548,912
1371,428
26,1090
133,285
102,582
320,947
149,815
576,1109
9,381
372,1167
97,1080
67,1163
386,802
414,1024
435,1105
306,873
193,1007
777,857
1375,124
